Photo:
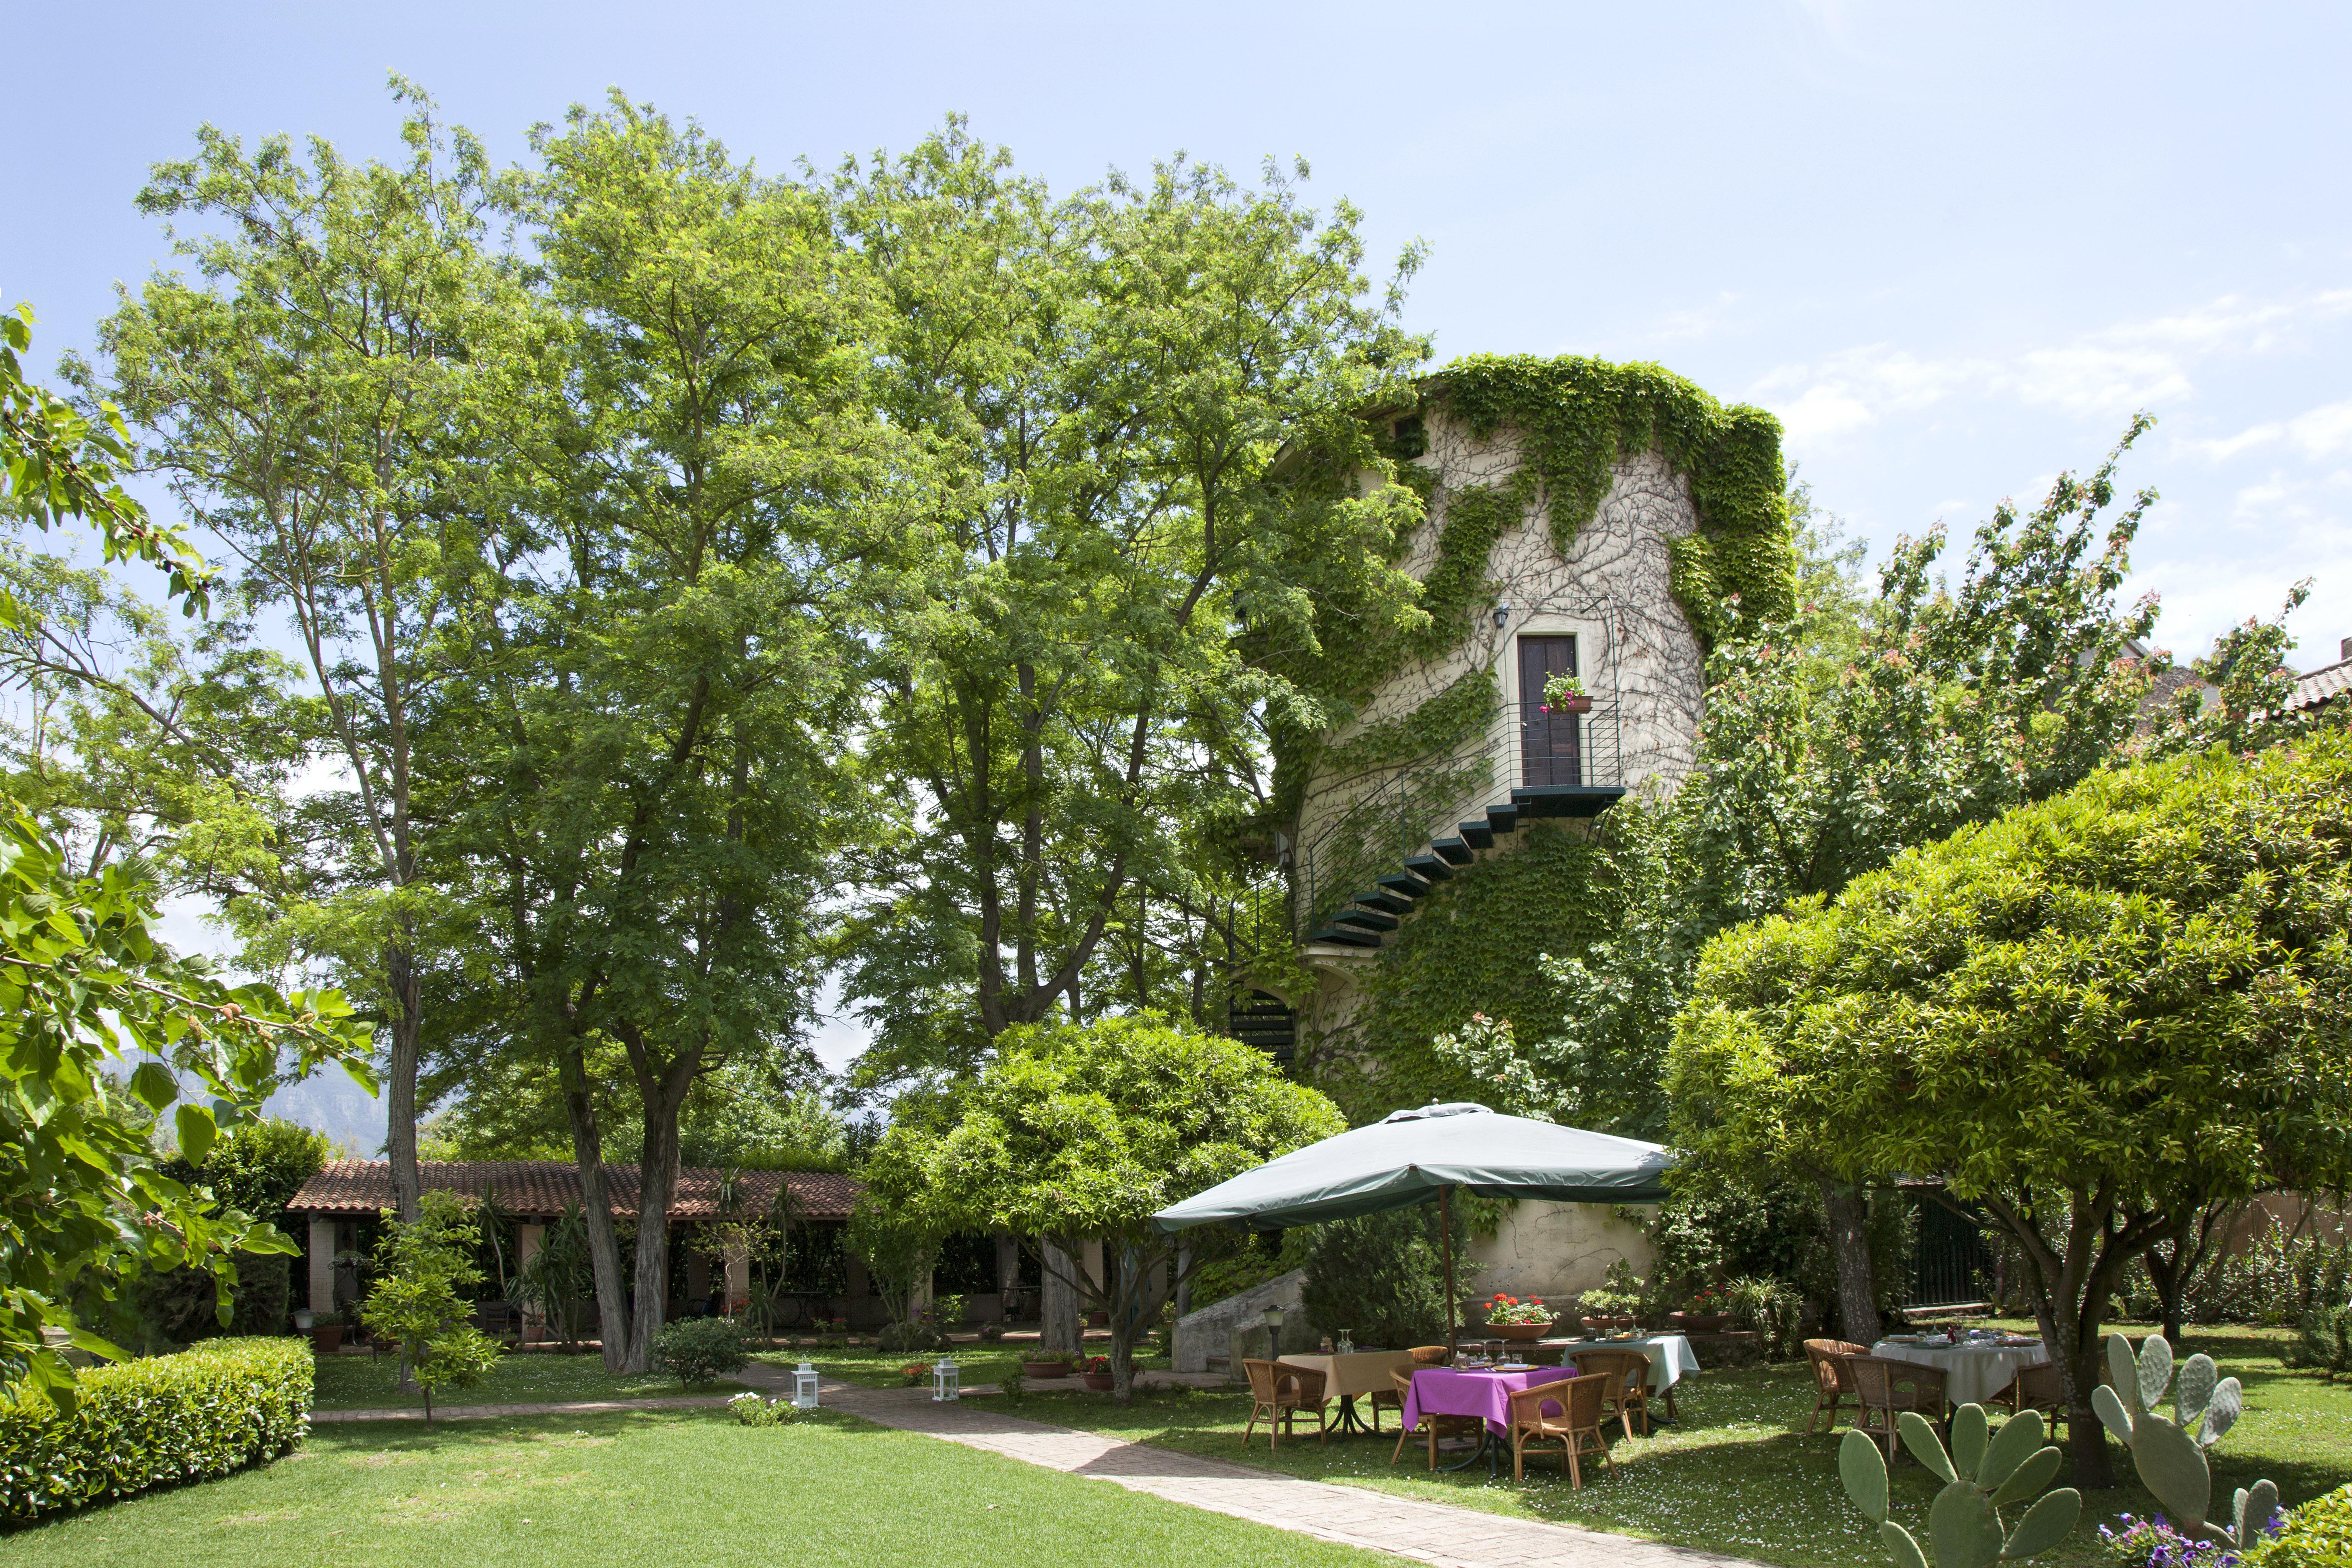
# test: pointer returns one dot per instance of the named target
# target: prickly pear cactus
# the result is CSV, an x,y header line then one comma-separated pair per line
x,y
2170,1455
1985,1472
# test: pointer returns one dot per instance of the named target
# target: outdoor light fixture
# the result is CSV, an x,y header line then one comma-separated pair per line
x,y
1274,1332
945,1378
804,1387
1502,615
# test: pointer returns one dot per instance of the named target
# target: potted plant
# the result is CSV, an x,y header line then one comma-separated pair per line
x,y
326,1332
1612,1308
1097,1374
1052,1367
1565,694
1707,1313
1512,1319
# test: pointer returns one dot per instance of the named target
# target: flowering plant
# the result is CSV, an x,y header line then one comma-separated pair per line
x,y
1099,1364
2153,1544
915,1374
1559,688
751,1410
1511,1310
1707,1302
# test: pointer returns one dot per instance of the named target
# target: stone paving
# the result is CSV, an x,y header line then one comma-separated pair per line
x,y
1429,1532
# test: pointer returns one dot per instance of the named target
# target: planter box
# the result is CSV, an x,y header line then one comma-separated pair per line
x,y
327,1341
1098,1381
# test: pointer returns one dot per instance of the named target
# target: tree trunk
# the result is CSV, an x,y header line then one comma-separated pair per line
x,y
1849,1228
1184,1281
2076,1349
596,1210
1057,1302
400,1083
656,1186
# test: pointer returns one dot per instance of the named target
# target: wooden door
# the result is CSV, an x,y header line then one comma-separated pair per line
x,y
1548,742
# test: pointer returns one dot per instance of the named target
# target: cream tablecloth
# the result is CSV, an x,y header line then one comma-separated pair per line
x,y
1972,1373
1365,1372
1670,1356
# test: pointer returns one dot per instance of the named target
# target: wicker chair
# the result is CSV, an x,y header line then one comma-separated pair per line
x,y
1833,1379
1438,1427
1579,1406
1280,1394
1431,1355
1884,1388
2037,1388
1630,1390
1380,1399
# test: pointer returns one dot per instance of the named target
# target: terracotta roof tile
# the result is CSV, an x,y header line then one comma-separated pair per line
x,y
2330,680
547,1187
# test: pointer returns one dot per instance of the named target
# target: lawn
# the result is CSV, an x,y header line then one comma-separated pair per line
x,y
1735,1476
531,1377
660,1486
975,1363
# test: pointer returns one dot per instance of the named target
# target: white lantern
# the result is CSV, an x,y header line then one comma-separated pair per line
x,y
804,1387
945,1377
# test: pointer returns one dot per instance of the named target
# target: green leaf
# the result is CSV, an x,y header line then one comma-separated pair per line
x,y
1926,1446
2041,1468
2123,1373
1864,1469
2112,1414
197,1134
2195,1390
1898,1542
153,1083
2222,1410
2155,1371
2019,1437
2172,1466
2045,1525
1968,1439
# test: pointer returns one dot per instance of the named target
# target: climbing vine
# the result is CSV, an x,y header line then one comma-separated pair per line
x,y
1472,946
1445,720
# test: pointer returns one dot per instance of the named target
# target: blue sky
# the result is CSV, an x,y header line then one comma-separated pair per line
x,y
1952,246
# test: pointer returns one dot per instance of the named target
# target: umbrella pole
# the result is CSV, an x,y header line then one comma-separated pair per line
x,y
1446,1235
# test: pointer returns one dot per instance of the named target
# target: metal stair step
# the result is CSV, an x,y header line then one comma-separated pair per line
x,y
1454,852
1369,918
1346,936
1405,884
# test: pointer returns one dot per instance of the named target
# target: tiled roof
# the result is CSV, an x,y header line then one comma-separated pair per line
x,y
2311,690
547,1187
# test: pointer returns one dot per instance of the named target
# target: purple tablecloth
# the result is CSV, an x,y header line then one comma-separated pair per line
x,y
1441,1391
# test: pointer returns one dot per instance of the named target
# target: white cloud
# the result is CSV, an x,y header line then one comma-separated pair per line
x,y
2104,374
2321,433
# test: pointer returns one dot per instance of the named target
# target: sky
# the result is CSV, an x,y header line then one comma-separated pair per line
x,y
1952,246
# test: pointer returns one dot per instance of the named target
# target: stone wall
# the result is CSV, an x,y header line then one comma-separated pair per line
x,y
1557,1251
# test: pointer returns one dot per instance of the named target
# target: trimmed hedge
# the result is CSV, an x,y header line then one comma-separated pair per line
x,y
2317,1535
154,1422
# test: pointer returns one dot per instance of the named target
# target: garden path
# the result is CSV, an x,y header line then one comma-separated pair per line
x,y
1354,1516
484,1412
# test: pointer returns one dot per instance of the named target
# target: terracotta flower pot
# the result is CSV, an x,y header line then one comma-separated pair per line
x,y
1099,1319
1045,1369
1098,1381
1521,1332
1701,1322
327,1341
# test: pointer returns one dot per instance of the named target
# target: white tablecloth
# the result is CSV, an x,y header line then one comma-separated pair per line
x,y
1670,1356
1972,1373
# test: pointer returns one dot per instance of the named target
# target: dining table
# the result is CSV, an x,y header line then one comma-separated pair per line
x,y
1345,1376
1481,1392
1974,1369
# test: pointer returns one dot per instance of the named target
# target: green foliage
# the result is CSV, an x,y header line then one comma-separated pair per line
x,y
1620,1294
1579,416
1454,715
259,1168
423,1265
1770,1309
1075,1133
2324,1340
898,1237
559,1279
756,1410
2170,1455
154,1422
2277,1278
700,1350
1984,1472
1380,1276
2317,1535
1252,1264
1974,1009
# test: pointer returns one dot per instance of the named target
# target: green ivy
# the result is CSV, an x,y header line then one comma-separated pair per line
x,y
1578,418
150,1423
1470,948
1439,724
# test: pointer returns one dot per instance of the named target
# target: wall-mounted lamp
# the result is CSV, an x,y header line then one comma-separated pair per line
x,y
1502,615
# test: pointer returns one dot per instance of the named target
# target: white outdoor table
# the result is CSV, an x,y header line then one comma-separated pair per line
x,y
1972,1373
1670,1356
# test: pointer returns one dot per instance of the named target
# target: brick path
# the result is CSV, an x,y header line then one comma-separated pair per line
x,y
1430,1532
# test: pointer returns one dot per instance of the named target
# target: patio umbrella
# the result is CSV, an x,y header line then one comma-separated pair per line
x,y
1416,1156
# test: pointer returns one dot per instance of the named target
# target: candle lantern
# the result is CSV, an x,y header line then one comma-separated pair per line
x,y
945,1377
804,1387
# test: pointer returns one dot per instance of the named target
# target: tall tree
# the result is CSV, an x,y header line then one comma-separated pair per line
x,y
313,402
1103,389
2092,1017
663,669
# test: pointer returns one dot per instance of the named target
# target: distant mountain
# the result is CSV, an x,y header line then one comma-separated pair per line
x,y
328,1101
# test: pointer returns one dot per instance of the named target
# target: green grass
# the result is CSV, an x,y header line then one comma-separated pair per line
x,y
1734,1476
531,1377
659,1487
